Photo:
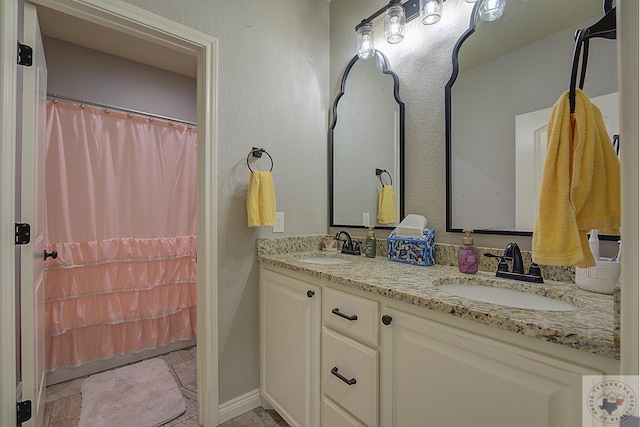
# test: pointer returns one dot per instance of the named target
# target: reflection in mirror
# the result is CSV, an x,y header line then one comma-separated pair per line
x,y
367,133
507,74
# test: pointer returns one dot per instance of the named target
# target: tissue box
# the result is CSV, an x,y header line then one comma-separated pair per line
x,y
413,250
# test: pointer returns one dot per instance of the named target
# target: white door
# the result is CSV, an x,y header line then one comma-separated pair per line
x,y
32,212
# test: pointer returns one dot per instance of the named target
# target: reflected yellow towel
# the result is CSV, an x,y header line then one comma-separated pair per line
x,y
580,188
261,200
387,210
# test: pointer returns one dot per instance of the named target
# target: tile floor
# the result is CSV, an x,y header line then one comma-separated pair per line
x,y
64,399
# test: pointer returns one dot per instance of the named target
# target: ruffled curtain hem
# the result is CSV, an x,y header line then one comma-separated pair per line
x,y
103,341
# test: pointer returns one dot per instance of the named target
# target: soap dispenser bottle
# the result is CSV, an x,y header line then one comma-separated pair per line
x,y
467,254
370,244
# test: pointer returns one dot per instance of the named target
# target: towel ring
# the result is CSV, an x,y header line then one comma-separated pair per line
x,y
257,152
379,172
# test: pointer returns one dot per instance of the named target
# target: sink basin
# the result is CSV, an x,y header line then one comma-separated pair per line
x,y
327,260
507,297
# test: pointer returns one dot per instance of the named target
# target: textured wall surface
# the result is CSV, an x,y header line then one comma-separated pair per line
x,y
423,64
273,77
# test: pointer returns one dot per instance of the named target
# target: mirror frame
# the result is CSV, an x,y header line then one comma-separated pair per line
x,y
379,56
449,198
448,149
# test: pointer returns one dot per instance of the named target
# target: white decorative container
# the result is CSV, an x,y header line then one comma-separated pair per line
x,y
601,279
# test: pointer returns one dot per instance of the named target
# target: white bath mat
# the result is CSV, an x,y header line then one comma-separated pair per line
x,y
142,395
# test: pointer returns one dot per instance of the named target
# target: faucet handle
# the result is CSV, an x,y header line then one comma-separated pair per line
x,y
502,265
534,270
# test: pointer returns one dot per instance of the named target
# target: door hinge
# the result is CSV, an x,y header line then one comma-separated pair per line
x,y
23,411
25,55
23,233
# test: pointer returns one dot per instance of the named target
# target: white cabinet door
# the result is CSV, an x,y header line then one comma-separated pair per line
x,y
290,348
434,375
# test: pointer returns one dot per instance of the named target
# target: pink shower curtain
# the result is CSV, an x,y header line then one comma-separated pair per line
x,y
120,212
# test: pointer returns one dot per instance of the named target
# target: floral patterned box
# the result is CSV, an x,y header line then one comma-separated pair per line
x,y
412,250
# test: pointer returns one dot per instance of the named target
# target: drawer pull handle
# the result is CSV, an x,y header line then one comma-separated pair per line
x,y
386,319
335,372
310,294
336,311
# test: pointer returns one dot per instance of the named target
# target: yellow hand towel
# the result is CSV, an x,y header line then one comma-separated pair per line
x,y
261,200
387,210
580,188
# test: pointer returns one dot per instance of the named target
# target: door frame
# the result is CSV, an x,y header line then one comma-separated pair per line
x,y
141,24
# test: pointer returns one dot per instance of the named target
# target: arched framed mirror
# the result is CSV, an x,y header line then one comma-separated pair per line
x,y
366,134
507,74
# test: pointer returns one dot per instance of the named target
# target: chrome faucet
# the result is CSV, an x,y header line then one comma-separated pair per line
x,y
512,252
348,245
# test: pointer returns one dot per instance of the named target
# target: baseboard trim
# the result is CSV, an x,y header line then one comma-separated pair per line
x,y
238,406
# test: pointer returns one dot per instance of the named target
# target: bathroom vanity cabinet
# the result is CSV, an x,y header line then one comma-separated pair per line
x,y
352,358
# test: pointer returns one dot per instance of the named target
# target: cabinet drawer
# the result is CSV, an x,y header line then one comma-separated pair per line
x,y
334,416
350,375
353,315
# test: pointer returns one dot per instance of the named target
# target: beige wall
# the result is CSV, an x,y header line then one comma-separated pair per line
x,y
423,64
273,75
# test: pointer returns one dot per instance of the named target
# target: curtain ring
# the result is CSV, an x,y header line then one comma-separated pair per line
x,y
257,152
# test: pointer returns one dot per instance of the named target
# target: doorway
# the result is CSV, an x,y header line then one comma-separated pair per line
x,y
143,28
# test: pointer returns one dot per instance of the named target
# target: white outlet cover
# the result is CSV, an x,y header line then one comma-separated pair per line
x,y
365,219
278,227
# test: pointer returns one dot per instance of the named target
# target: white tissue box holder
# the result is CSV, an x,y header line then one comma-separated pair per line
x,y
601,279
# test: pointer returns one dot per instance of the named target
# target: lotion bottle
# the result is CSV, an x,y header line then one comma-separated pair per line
x,y
468,254
370,244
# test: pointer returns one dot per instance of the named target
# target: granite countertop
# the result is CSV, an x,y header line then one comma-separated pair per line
x,y
590,328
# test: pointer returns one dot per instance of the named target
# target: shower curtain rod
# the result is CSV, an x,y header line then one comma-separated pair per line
x,y
125,110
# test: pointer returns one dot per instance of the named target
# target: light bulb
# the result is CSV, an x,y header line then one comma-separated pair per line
x,y
490,10
365,47
394,22
430,11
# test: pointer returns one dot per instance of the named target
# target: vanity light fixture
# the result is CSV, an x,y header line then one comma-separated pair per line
x,y
397,14
394,21
365,47
430,11
490,10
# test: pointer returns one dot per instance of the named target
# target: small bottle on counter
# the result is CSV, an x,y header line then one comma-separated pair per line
x,y
468,254
370,244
